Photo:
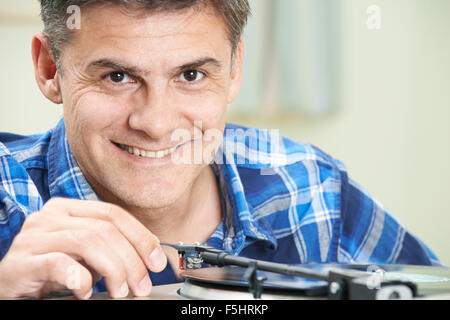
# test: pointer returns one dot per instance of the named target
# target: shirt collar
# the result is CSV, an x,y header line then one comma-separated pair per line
x,y
239,228
65,178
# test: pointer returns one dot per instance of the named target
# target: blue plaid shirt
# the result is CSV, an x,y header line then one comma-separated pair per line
x,y
286,201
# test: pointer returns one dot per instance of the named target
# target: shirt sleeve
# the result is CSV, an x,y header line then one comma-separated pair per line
x,y
370,234
18,196
11,221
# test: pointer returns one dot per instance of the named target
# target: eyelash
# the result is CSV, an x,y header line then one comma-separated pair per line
x,y
125,74
137,79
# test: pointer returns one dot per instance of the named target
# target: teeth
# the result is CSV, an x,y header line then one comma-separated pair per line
x,y
145,153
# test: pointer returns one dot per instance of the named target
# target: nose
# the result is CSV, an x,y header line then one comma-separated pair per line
x,y
155,113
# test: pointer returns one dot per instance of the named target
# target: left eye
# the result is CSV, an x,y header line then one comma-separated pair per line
x,y
192,76
119,77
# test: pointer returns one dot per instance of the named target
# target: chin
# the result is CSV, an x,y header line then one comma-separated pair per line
x,y
150,198
147,189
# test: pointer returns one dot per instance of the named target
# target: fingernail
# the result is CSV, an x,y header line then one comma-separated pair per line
x,y
122,291
157,259
145,285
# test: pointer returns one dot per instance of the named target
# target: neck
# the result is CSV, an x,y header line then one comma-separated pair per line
x,y
193,218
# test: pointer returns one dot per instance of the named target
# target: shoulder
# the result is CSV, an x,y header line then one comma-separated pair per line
x,y
269,163
23,164
29,151
259,148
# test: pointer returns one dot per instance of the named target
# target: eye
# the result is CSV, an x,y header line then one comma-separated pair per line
x,y
192,76
119,77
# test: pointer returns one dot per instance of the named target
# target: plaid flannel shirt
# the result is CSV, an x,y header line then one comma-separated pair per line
x,y
282,200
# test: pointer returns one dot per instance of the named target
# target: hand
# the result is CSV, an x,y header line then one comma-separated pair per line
x,y
70,244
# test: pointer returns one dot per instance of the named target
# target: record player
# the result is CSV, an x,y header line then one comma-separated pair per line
x,y
235,277
230,283
211,274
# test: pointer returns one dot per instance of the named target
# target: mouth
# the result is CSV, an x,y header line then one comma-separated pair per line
x,y
146,153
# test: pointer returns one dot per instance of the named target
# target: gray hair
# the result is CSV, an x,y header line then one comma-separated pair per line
x,y
54,15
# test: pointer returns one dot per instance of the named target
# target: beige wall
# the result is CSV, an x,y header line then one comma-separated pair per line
x,y
392,125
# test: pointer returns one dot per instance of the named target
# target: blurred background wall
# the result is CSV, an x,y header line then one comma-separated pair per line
x,y
366,81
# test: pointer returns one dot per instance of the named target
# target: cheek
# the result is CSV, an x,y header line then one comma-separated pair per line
x,y
208,110
93,111
88,118
209,116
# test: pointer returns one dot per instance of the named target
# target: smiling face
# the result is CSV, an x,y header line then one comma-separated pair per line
x,y
131,84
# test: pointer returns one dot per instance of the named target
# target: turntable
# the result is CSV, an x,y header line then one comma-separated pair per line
x,y
242,278
229,283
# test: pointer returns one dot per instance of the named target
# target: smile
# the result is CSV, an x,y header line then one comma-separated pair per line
x,y
146,153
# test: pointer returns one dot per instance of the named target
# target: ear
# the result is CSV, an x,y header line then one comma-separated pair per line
x,y
45,70
236,76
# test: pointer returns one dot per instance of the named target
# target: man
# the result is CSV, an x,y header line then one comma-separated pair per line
x,y
137,161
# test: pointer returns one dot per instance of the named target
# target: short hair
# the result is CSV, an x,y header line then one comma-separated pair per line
x,y
54,15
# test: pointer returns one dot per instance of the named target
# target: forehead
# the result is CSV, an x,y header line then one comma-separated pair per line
x,y
160,36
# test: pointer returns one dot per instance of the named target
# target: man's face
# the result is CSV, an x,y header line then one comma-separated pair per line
x,y
133,84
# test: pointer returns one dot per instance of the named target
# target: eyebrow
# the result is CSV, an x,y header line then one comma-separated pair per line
x,y
133,70
200,63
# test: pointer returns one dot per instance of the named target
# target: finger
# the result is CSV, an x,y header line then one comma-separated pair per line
x,y
136,270
65,271
57,218
91,248
146,243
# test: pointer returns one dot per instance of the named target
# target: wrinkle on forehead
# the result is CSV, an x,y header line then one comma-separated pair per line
x,y
111,25
116,18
